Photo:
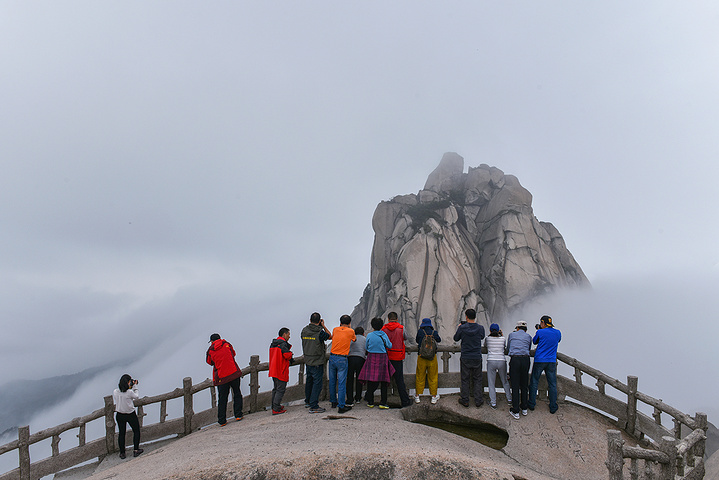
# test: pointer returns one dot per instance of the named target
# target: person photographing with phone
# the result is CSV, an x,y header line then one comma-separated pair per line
x,y
124,397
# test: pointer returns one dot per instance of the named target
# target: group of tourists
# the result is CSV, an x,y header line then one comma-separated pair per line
x,y
360,362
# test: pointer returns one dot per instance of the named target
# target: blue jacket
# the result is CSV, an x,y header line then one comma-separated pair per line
x,y
378,342
546,340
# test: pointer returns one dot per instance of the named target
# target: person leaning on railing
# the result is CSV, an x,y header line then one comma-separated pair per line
x,y
226,375
124,397
546,339
519,342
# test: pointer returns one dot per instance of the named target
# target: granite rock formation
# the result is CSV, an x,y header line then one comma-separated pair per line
x,y
466,240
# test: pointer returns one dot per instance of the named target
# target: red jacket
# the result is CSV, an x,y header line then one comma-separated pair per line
x,y
395,332
221,356
280,357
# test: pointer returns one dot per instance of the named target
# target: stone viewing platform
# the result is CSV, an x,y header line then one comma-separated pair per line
x,y
369,443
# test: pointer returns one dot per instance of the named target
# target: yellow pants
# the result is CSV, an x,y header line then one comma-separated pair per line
x,y
426,369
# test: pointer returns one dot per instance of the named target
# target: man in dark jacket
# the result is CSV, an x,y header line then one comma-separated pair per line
x,y
314,350
471,334
225,376
280,360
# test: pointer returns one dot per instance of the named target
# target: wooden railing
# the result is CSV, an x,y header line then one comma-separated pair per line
x,y
664,450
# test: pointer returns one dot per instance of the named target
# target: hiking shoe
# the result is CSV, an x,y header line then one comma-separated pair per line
x,y
349,404
277,412
464,403
123,456
370,405
223,424
307,405
384,407
137,452
514,415
344,409
416,399
317,410
237,419
435,399
524,412
493,405
334,404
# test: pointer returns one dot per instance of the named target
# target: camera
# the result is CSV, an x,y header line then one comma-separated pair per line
x,y
538,326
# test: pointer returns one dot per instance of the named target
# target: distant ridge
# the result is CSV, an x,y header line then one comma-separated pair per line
x,y
21,399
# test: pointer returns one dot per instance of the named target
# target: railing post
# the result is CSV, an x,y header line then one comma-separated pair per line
x,y
254,382
577,375
615,457
213,396
55,445
301,374
632,383
445,361
601,387
23,448
188,413
668,446
163,411
701,419
81,435
109,425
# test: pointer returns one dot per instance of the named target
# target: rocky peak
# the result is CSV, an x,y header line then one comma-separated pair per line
x,y
466,240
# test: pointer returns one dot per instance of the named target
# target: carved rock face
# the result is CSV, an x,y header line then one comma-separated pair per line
x,y
467,240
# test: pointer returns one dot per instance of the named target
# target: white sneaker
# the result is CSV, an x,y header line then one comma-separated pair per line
x,y
416,399
435,399
514,415
524,412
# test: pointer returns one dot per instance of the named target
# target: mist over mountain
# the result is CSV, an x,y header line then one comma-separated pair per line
x,y
20,400
466,240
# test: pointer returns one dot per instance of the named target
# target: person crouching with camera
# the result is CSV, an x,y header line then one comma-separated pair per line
x,y
124,397
546,339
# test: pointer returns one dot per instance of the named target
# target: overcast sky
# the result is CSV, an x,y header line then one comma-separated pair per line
x,y
170,169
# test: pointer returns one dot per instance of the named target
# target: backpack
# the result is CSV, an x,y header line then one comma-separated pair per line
x,y
428,346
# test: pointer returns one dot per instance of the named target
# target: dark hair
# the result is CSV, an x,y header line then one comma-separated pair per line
x,y
282,331
523,328
377,323
359,331
392,316
345,320
495,333
471,314
124,381
315,318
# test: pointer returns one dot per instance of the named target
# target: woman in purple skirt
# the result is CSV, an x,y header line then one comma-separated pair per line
x,y
377,370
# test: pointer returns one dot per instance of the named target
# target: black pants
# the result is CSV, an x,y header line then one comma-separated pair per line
x,y
371,387
122,420
399,380
471,369
354,367
223,393
519,379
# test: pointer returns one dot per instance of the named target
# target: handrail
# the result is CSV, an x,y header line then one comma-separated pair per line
x,y
630,420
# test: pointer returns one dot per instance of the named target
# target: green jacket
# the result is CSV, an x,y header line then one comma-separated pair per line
x,y
313,344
